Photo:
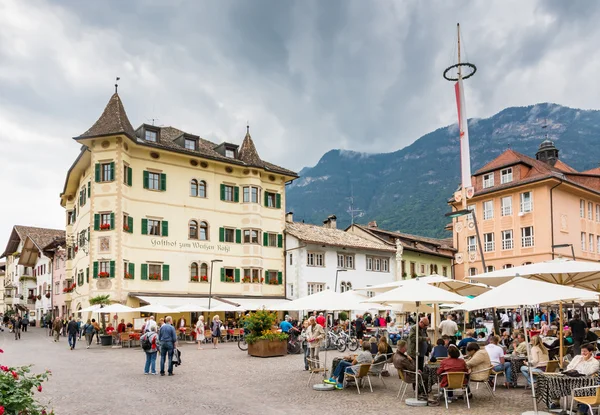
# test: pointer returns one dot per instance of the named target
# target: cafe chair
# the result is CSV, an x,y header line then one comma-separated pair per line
x,y
404,385
314,368
363,372
552,366
124,337
590,401
376,370
495,374
456,383
485,382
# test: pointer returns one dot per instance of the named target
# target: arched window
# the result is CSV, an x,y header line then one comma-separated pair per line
x,y
348,286
343,287
202,188
193,234
526,263
194,188
506,266
194,272
203,231
472,271
204,270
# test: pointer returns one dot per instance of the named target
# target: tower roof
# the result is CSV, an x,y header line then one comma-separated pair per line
x,y
112,121
248,153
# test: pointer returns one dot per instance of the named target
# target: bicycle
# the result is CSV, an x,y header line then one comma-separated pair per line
x,y
242,342
294,346
349,341
333,341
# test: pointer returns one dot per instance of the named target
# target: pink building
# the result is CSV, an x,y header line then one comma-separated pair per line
x,y
58,255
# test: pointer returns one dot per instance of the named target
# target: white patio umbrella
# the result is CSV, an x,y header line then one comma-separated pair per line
x,y
190,308
522,292
155,308
456,286
91,309
324,300
219,306
416,293
116,308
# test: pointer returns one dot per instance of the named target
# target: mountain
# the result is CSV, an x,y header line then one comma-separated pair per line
x,y
407,190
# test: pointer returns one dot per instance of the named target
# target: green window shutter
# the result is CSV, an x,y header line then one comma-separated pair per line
x,y
163,182
266,276
144,226
129,176
87,275
221,234
96,222
266,198
265,239
237,275
112,170
222,191
279,278
278,201
130,223
97,174
131,269
165,272
280,241
95,274
222,274
144,272
112,269
165,228
112,220
145,179
89,189
236,194
238,236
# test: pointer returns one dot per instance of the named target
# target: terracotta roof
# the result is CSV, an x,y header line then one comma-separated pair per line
x,y
561,165
41,237
248,153
511,157
332,237
112,121
592,171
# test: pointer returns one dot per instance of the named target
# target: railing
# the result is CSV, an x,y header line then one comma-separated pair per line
x,y
525,207
488,214
507,244
472,248
526,241
489,246
488,183
506,210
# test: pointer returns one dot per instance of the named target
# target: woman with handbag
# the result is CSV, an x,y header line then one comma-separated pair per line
x,y
200,331
216,330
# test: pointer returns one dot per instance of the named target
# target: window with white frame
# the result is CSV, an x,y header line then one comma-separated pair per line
x,y
315,259
507,266
349,262
385,265
507,239
506,175
310,259
490,268
488,209
591,245
488,180
341,260
597,213
471,243
527,237
377,263
526,202
470,216
251,236
590,211
369,264
422,269
582,208
506,206
251,194
444,271
488,242
472,272
315,287
598,244
583,241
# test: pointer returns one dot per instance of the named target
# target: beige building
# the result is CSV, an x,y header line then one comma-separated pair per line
x,y
528,210
153,212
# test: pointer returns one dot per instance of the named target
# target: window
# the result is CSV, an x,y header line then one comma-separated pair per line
x,y
598,244
591,239
377,262
251,236
229,153
153,181
583,241
340,260
155,272
506,175
472,272
70,217
526,202
422,269
251,194
272,239
345,261
127,223
488,242
127,175
203,231
291,259
444,271
105,221
490,268
273,277
507,266
229,235
471,243
153,227
269,199
590,211
488,209
349,261
507,239
150,135
82,196
227,193
194,188
197,188
314,287
527,237
527,263
470,216
369,264
106,172
194,272
190,144
81,238
385,265
56,288
488,180
204,271
319,260
104,267
193,230
582,208
506,206
597,213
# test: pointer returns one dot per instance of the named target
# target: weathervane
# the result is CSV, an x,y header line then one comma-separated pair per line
x,y
117,84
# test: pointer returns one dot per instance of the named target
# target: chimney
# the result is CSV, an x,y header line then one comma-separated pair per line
x,y
330,222
372,224
289,217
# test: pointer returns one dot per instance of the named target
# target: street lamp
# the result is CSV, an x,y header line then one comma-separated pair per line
x,y
564,246
336,278
212,265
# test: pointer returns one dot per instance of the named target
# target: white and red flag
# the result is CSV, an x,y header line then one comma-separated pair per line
x,y
465,154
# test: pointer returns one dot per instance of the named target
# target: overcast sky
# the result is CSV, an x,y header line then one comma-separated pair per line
x,y
309,76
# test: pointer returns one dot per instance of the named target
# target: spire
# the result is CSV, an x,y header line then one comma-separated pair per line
x,y
112,121
247,152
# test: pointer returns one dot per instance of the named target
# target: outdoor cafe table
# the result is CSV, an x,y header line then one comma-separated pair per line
x,y
551,387
516,362
430,375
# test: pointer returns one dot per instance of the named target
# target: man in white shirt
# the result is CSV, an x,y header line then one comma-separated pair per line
x,y
449,328
496,354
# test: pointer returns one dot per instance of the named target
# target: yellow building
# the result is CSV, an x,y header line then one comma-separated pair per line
x,y
150,211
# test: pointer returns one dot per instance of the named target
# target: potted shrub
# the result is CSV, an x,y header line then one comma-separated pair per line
x,y
194,278
204,278
262,340
103,274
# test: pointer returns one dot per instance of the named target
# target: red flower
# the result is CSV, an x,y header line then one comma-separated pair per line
x,y
1,351
43,412
14,374
4,368
39,388
1,410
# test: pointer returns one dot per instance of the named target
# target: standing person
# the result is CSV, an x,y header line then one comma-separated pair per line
x,y
321,320
448,328
360,328
302,338
72,331
150,323
96,330
25,323
200,331
314,335
57,327
577,327
64,326
167,337
79,328
16,323
121,328
216,330
88,331
150,367
422,339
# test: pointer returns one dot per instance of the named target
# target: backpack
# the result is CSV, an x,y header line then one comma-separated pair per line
x,y
145,342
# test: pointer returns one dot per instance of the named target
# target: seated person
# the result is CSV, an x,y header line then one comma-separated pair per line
x,y
481,336
585,363
452,364
505,339
568,337
466,340
380,358
590,336
110,329
544,329
539,358
519,347
440,350
387,349
408,366
478,361
394,333
496,354
348,366
373,345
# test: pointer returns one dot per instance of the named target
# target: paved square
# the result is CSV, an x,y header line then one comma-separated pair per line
x,y
107,381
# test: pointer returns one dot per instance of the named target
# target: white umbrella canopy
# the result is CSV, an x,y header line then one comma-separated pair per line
x,y
324,300
189,308
359,299
116,308
92,308
218,306
417,291
456,286
155,308
523,292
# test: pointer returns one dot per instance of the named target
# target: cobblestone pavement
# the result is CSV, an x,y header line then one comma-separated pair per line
x,y
104,381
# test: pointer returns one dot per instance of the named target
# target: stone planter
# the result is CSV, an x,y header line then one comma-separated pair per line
x,y
267,348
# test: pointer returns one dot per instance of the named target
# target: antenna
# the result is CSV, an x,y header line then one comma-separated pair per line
x,y
354,213
117,84
152,120
545,126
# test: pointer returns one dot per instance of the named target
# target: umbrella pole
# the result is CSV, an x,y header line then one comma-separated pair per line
x,y
434,322
535,408
560,333
415,401
324,386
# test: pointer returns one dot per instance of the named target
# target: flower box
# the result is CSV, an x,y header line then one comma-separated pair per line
x,y
229,279
194,278
273,281
103,274
69,289
128,276
31,297
105,226
154,277
39,297
246,279
204,278
268,348
256,280
126,228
